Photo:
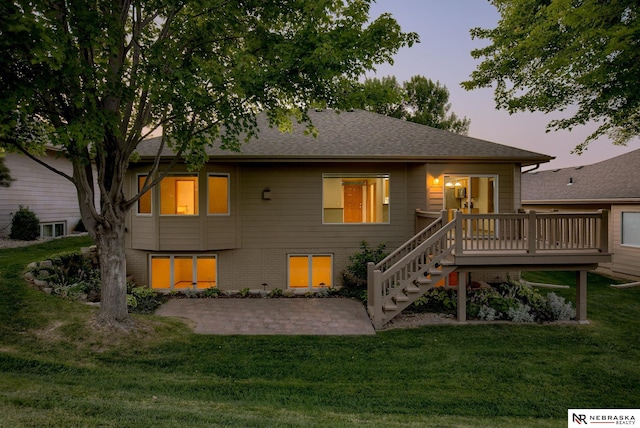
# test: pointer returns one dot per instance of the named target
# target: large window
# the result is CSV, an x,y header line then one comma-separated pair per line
x,y
144,203
362,198
179,195
631,229
310,271
183,272
218,194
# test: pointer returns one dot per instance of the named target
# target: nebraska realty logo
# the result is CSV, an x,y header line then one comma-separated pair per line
x,y
597,417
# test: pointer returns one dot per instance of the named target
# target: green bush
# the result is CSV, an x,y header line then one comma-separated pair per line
x,y
513,301
143,300
354,279
25,225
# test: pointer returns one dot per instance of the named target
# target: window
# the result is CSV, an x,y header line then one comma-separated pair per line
x,y
218,194
144,203
53,229
179,195
362,198
310,271
183,272
631,229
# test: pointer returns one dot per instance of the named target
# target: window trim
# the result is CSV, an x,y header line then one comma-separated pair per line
x,y
194,268
622,244
195,175
53,228
150,192
228,176
385,200
310,272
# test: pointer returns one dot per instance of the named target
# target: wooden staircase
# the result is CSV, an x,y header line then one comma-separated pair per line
x,y
406,274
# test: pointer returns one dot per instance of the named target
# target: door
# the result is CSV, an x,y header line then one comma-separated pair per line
x,y
472,194
352,202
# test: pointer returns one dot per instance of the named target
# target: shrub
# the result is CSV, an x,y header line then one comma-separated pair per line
x,y
354,279
212,292
520,313
143,300
560,310
439,299
25,225
72,276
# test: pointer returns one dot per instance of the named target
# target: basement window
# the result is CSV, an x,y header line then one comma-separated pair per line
x,y
184,272
53,229
309,271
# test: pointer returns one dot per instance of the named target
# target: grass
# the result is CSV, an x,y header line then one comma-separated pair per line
x,y
58,370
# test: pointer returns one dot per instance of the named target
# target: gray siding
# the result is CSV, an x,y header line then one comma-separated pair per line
x,y
50,196
252,244
626,259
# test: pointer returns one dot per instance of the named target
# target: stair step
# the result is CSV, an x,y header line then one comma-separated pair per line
x,y
401,298
389,307
424,281
412,289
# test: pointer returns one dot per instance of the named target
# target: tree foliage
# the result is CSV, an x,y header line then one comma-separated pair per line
x,y
418,100
94,78
5,173
552,55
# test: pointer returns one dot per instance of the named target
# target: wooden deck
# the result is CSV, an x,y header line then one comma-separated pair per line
x,y
489,242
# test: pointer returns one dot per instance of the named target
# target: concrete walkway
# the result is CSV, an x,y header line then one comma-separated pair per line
x,y
285,316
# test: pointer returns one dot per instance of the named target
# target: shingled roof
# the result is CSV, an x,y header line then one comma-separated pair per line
x,y
361,135
610,180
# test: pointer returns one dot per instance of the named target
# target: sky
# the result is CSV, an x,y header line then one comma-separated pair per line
x,y
444,55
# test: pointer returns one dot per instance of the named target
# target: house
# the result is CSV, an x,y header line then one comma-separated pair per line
x,y
289,209
50,196
614,185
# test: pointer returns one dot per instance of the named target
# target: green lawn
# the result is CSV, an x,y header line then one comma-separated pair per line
x,y
56,370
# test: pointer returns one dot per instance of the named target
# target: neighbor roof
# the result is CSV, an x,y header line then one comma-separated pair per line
x,y
363,135
613,179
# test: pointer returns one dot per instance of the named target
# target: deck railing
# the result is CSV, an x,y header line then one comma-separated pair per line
x,y
531,232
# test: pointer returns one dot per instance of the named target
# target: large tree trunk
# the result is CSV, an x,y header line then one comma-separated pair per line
x,y
113,270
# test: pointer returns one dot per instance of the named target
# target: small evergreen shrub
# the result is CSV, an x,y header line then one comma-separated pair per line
x,y
354,279
25,225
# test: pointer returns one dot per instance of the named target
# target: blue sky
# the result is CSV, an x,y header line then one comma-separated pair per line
x,y
444,55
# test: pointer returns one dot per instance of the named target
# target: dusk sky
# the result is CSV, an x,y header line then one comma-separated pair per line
x,y
444,55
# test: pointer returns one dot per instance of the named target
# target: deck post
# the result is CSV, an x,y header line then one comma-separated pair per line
x,y
581,297
604,231
531,232
462,297
374,295
458,232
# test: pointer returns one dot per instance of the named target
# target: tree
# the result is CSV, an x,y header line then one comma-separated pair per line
x,y
5,173
94,78
553,55
418,100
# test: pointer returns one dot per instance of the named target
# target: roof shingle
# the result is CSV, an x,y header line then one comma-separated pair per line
x,y
364,135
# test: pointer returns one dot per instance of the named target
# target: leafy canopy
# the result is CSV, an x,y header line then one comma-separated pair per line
x,y
95,77
551,55
418,100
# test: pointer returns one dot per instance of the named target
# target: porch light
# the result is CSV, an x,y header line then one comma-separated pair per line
x,y
266,194
436,181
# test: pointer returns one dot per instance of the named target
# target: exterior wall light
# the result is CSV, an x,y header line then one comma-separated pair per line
x,y
266,194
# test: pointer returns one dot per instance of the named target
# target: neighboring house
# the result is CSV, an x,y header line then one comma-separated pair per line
x,y
289,210
613,185
50,196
